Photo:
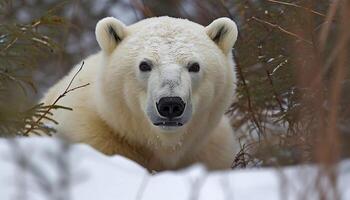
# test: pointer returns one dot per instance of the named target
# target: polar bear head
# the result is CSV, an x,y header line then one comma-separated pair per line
x,y
165,76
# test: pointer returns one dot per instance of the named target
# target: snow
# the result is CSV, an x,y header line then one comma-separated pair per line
x,y
46,168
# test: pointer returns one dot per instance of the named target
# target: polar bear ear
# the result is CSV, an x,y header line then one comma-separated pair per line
x,y
109,33
223,32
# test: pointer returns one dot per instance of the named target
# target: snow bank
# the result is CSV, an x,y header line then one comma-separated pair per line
x,y
44,168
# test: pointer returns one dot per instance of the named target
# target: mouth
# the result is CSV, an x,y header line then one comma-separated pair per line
x,y
168,123
169,113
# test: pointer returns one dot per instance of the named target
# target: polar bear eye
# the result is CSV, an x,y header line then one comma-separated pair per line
x,y
145,66
194,67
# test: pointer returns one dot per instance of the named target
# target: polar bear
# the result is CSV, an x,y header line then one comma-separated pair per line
x,y
158,92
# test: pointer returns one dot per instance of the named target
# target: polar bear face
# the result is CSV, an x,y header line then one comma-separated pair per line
x,y
166,74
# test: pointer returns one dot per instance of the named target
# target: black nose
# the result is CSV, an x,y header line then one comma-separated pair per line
x,y
170,107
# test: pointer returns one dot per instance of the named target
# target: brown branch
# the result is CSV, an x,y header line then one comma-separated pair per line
x,y
66,91
250,106
277,96
327,26
336,90
297,6
337,49
282,29
269,75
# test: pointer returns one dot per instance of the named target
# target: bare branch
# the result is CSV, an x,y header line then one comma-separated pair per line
x,y
250,107
282,29
66,91
297,6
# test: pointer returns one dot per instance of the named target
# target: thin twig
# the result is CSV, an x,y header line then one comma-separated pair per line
x,y
282,29
297,6
269,75
277,96
66,91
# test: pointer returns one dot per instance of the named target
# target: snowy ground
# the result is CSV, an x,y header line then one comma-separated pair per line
x,y
43,168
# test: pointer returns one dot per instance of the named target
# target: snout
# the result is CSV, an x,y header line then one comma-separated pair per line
x,y
169,112
169,104
171,107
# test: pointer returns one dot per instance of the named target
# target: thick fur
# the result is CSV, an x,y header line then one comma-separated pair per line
x,y
110,113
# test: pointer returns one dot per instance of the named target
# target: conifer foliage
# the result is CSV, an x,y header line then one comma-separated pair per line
x,y
21,46
292,57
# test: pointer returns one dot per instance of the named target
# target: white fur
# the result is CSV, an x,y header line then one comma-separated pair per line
x,y
231,35
110,113
104,38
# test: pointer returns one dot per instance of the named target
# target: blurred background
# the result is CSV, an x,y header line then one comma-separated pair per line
x,y
292,57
